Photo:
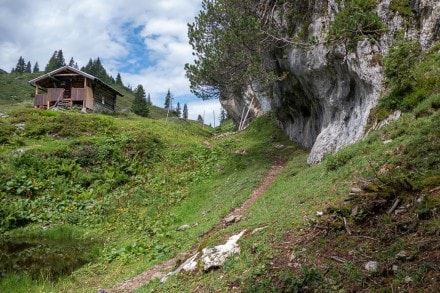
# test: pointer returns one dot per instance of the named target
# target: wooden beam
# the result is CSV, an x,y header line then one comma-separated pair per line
x,y
66,74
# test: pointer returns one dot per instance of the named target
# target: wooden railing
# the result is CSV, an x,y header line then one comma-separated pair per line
x,y
40,100
54,94
78,94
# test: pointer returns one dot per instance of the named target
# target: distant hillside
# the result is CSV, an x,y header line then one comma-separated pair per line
x,y
14,88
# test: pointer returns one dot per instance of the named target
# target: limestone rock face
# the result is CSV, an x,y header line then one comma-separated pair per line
x,y
327,91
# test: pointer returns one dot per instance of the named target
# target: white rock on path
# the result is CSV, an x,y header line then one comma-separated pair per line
x,y
216,256
211,257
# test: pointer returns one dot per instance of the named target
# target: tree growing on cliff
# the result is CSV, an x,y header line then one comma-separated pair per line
x,y
228,42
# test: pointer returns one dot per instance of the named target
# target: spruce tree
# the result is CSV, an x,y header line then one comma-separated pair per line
x,y
72,62
149,100
200,119
60,59
178,110
36,68
21,65
119,80
56,61
140,105
185,112
28,67
223,116
168,102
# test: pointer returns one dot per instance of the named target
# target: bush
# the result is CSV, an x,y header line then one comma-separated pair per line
x,y
356,21
412,75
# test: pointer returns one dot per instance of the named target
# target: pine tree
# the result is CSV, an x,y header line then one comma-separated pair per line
x,y
119,80
95,68
168,101
178,110
223,116
140,106
28,67
60,59
21,65
36,68
56,61
72,62
185,112
149,100
200,119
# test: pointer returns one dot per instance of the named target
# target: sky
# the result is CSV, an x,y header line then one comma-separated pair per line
x,y
145,41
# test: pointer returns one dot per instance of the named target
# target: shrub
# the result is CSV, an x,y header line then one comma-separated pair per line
x,y
412,75
356,21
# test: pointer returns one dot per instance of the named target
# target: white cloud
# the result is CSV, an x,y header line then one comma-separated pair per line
x,y
110,30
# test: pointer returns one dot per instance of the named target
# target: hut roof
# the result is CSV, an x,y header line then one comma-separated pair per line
x,y
65,71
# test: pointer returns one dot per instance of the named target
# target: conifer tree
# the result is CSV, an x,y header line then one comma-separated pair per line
x,y
140,105
60,58
119,80
168,101
149,100
200,119
223,116
56,61
178,110
185,112
36,68
28,68
21,65
72,63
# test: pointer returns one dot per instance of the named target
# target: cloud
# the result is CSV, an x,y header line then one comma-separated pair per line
x,y
145,41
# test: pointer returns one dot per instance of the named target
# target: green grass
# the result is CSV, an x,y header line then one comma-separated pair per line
x,y
124,181
118,187
290,205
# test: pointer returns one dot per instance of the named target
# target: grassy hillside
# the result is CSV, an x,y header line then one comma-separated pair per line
x,y
98,195
87,201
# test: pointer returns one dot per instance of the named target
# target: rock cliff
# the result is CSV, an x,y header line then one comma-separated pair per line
x,y
327,89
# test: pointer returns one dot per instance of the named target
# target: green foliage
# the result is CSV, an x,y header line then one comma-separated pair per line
x,y
339,159
412,74
56,61
95,68
227,40
401,7
168,100
140,105
357,20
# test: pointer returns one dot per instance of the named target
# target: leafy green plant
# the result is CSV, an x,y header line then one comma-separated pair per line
x,y
357,20
339,159
412,75
401,7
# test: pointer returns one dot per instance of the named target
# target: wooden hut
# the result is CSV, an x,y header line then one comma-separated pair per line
x,y
70,87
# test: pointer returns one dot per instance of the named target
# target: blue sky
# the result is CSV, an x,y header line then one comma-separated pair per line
x,y
145,42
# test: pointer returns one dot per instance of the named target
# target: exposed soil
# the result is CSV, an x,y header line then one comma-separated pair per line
x,y
160,270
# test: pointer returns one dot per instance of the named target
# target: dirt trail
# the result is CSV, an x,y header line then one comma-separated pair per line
x,y
158,270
